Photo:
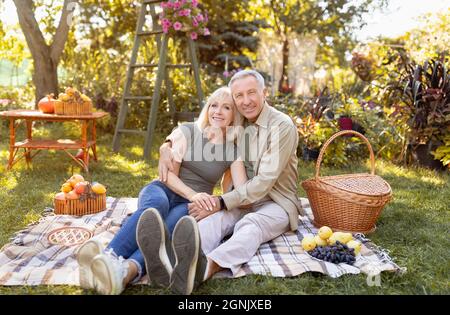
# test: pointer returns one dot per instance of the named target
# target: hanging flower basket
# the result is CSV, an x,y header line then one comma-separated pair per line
x,y
184,16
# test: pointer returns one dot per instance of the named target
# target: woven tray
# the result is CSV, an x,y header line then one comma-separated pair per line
x,y
81,207
69,236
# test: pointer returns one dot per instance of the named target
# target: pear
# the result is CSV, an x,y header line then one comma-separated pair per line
x,y
355,245
325,232
98,188
346,237
66,187
320,241
308,243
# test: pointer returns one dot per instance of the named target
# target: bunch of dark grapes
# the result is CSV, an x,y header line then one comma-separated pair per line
x,y
338,253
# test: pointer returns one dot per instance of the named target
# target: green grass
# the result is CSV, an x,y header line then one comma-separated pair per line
x,y
414,227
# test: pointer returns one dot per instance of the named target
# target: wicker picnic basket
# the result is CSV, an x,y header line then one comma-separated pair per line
x,y
351,202
81,207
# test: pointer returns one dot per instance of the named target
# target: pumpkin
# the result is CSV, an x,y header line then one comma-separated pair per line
x,y
46,104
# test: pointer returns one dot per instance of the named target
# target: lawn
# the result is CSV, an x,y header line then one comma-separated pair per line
x,y
414,227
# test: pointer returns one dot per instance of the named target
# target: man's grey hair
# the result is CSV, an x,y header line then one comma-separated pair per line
x,y
247,73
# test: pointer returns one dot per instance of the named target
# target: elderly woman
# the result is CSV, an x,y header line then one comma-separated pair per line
x,y
202,152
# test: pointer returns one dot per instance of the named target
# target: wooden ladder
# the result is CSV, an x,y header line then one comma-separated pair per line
x,y
162,68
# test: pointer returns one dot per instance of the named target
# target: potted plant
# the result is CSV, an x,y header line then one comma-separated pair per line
x,y
426,109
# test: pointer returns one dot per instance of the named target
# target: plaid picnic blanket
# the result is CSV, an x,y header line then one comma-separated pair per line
x,y
32,259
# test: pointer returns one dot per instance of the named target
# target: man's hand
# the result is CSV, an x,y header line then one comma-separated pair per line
x,y
165,161
200,213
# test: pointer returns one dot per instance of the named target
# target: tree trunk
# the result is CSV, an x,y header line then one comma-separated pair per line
x,y
45,57
283,85
45,76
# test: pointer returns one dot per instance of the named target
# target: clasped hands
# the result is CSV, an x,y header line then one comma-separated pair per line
x,y
203,205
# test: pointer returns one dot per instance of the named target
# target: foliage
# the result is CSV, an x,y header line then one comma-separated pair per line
x,y
309,126
233,41
442,153
426,107
184,15
432,39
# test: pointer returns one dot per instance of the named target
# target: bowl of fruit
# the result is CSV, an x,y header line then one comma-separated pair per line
x,y
80,197
333,247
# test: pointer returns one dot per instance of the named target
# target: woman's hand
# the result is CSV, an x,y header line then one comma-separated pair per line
x,y
204,201
165,162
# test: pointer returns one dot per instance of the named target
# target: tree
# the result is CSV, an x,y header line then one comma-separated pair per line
x,y
331,21
45,56
233,35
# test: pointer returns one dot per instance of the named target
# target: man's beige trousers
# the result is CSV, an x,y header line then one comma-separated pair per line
x,y
250,229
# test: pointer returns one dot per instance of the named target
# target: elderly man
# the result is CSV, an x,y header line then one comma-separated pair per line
x,y
256,212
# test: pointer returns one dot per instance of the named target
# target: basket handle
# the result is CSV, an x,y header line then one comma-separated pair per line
x,y
340,133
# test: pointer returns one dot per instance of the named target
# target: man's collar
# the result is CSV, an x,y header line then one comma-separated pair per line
x,y
263,118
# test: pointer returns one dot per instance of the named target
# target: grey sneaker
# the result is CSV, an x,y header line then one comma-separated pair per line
x,y
85,255
190,265
109,271
153,241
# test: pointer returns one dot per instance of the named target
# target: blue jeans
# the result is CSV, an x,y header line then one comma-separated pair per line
x,y
156,195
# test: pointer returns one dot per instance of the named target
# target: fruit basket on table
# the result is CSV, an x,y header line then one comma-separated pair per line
x,y
79,197
73,102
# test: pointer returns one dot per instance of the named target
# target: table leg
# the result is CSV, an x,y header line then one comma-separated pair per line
x,y
12,142
84,129
94,138
29,124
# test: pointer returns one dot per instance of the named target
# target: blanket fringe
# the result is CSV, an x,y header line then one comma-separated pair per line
x,y
383,254
16,238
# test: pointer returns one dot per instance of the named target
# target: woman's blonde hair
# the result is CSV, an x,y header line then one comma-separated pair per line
x,y
220,95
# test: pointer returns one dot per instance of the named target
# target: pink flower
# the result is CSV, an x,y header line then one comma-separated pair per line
x,y
166,22
226,74
185,12
194,23
206,31
177,26
176,5
200,18
194,35
165,29
195,3
169,5
163,5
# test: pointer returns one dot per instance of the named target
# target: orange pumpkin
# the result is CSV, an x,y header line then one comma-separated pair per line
x,y
46,104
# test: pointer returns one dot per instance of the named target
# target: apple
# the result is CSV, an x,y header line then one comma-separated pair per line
x,y
72,195
60,196
78,177
80,187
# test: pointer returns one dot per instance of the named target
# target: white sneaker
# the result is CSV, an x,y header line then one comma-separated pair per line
x,y
85,255
109,271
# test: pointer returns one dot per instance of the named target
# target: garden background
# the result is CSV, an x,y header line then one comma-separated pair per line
x,y
395,90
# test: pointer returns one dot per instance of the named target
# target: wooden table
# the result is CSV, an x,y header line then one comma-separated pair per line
x,y
30,144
